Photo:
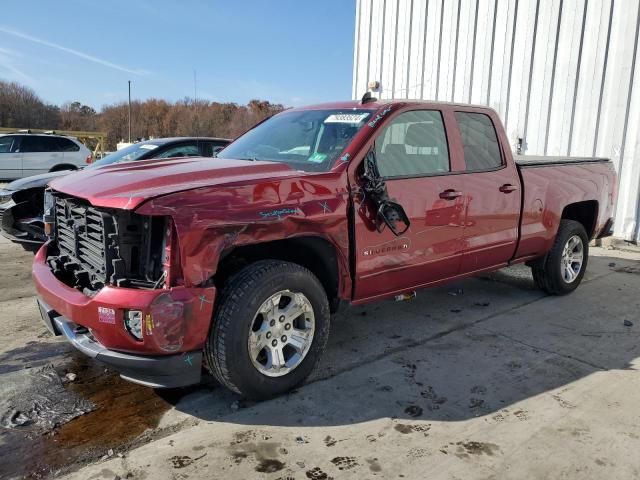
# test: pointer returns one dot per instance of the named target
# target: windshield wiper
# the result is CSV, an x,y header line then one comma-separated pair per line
x,y
250,159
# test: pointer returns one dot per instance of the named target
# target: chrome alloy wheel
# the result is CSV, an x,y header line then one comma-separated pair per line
x,y
281,333
572,258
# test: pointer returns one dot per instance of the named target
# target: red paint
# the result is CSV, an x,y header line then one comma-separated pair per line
x,y
216,205
198,304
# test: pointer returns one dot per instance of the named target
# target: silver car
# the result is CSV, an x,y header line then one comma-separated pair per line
x,y
25,154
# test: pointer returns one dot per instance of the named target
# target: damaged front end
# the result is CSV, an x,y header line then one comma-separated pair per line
x,y
108,281
93,247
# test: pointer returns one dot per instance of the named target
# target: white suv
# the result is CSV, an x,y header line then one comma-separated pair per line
x,y
25,154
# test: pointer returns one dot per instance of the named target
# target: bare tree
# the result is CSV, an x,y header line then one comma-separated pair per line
x,y
20,107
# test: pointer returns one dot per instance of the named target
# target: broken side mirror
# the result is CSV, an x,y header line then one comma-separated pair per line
x,y
393,216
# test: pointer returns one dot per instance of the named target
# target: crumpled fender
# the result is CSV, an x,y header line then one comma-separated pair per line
x,y
212,220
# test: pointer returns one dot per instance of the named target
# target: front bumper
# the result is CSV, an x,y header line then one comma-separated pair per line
x,y
171,343
169,371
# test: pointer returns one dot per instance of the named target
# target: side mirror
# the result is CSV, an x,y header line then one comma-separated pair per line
x,y
393,216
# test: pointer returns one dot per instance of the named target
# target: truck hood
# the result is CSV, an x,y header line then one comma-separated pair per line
x,y
127,185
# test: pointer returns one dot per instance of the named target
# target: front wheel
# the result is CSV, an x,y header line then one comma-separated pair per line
x,y
270,329
563,268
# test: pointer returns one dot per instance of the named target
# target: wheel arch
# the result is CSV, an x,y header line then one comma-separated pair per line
x,y
585,213
312,252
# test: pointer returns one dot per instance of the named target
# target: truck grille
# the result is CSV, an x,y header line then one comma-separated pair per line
x,y
80,234
94,247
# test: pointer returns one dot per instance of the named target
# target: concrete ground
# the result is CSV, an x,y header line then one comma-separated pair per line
x,y
484,378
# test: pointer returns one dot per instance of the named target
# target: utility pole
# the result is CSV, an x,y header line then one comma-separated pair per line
x,y
129,111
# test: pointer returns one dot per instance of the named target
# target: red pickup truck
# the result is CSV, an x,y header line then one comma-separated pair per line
x,y
157,269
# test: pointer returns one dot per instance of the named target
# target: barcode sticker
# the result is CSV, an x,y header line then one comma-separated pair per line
x,y
354,118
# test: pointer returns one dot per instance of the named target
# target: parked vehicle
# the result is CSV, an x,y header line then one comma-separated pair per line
x,y
21,200
24,154
157,268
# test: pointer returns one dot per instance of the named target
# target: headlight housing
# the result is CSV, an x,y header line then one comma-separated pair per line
x,y
49,213
49,203
5,196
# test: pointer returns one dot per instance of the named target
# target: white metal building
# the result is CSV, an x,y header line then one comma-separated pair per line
x,y
563,74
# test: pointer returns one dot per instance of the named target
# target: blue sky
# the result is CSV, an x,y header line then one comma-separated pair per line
x,y
285,51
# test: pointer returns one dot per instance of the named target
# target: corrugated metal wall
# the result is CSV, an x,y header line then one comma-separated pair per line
x,y
563,74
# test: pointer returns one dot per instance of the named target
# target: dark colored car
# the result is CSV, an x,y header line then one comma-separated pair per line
x,y
158,267
21,200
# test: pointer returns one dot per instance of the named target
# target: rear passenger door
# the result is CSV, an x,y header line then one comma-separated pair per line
x,y
10,157
414,159
493,198
40,154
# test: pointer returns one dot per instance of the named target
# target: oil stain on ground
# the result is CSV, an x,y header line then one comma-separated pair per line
x,y
122,411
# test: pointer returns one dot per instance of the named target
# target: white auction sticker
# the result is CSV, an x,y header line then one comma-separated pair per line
x,y
107,315
149,146
346,118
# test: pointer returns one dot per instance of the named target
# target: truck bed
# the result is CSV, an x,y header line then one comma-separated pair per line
x,y
541,160
552,183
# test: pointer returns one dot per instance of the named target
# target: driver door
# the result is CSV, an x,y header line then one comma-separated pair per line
x,y
413,158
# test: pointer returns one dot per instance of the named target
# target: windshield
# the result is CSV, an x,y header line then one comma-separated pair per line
x,y
128,154
309,140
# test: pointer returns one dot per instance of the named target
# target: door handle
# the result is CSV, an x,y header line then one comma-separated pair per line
x,y
450,194
508,188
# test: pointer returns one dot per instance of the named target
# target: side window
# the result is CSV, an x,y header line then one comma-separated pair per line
x,y
7,143
67,145
480,141
219,146
36,143
413,144
180,151
32,144
206,149
51,144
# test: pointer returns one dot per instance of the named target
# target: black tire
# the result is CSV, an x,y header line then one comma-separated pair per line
x,y
226,349
548,271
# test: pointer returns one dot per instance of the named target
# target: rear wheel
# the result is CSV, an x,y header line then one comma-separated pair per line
x,y
270,329
563,268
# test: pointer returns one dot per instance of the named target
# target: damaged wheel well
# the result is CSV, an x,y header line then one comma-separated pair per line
x,y
313,253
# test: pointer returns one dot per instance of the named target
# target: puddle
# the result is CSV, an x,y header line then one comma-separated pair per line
x,y
122,412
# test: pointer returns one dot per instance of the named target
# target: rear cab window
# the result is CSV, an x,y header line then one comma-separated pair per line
x,y
480,141
413,144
